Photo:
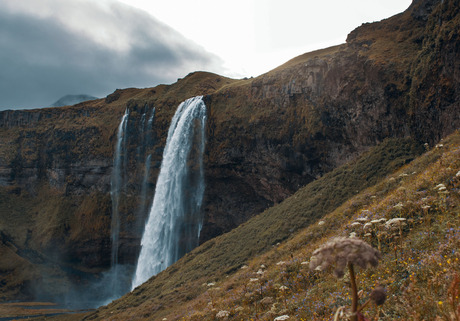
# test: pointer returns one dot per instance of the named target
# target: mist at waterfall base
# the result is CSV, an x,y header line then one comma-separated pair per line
x,y
85,291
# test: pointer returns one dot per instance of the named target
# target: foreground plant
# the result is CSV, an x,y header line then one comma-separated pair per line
x,y
346,253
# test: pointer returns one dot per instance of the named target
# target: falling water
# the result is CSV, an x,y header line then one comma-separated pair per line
x,y
175,219
147,163
119,160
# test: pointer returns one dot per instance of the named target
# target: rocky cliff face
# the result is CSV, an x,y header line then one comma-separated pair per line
x,y
266,137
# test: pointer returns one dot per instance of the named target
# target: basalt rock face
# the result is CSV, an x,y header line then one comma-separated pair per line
x,y
272,134
266,137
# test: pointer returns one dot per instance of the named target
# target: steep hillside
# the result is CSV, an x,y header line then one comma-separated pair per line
x,y
266,137
419,262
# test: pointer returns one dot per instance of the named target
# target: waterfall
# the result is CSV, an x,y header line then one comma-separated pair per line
x,y
149,128
119,165
147,164
175,219
146,142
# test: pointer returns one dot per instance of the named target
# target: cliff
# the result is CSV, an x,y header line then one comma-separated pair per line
x,y
266,137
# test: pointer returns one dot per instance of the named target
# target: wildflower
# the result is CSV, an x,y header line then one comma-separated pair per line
x,y
439,146
399,205
210,284
440,303
262,266
268,300
346,252
281,318
222,314
305,263
253,279
367,226
342,251
281,263
283,288
244,267
260,272
356,224
380,220
321,223
458,174
378,295
362,219
397,220
352,234
439,186
425,207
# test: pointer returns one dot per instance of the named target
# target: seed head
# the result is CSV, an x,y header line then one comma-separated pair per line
x,y
341,251
378,295
222,314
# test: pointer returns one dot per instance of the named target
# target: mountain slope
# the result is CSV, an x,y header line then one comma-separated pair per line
x,y
419,265
422,264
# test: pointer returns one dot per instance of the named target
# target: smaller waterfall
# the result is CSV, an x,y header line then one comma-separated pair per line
x,y
175,219
119,164
146,143
148,138
141,146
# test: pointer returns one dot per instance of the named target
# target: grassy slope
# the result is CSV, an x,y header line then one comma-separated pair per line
x,y
217,259
417,270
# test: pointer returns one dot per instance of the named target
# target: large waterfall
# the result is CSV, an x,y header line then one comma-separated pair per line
x,y
175,218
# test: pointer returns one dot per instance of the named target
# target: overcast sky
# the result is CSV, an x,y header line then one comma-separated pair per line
x,y
51,48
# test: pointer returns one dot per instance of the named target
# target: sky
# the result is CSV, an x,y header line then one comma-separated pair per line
x,y
52,48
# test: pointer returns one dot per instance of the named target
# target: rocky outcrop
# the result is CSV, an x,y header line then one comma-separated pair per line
x,y
266,137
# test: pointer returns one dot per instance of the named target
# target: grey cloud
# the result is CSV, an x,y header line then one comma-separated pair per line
x,y
42,59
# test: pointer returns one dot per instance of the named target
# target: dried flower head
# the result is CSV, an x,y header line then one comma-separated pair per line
x,y
398,221
378,295
341,251
222,314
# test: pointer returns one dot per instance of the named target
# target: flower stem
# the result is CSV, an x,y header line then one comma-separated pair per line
x,y
354,293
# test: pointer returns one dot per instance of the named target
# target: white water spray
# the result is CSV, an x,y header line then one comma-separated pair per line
x,y
175,218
